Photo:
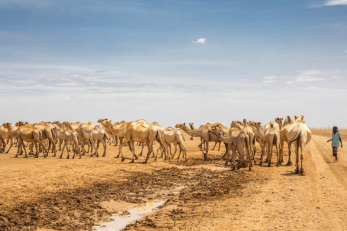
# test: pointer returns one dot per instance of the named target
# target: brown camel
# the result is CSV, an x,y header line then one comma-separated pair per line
x,y
29,133
271,138
143,132
237,139
203,132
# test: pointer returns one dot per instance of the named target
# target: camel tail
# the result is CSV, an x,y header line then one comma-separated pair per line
x,y
105,137
158,137
247,141
297,137
275,139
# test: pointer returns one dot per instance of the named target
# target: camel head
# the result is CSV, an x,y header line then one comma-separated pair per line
x,y
279,120
7,125
235,123
300,118
106,123
101,120
180,125
20,123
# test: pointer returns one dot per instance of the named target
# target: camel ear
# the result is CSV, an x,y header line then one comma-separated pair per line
x,y
296,117
184,123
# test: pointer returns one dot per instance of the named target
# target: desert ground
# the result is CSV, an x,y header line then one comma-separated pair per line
x,y
77,194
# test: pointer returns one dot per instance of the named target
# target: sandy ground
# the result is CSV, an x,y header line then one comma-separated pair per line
x,y
75,194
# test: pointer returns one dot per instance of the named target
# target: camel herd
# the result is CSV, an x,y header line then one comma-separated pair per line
x,y
239,139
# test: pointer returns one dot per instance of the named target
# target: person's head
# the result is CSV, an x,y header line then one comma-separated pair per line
x,y
335,129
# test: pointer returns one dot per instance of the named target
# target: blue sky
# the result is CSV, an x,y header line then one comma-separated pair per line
x,y
173,61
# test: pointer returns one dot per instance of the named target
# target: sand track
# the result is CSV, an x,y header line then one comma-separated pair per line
x,y
202,195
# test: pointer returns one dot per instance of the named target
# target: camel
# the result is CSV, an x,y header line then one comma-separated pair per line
x,y
90,133
244,126
271,137
172,136
13,132
47,134
70,135
6,135
286,135
29,133
203,132
300,136
143,132
215,144
117,130
237,139
258,133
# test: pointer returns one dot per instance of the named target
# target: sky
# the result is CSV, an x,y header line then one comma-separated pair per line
x,y
173,61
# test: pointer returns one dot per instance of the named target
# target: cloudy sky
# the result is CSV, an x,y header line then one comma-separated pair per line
x,y
173,61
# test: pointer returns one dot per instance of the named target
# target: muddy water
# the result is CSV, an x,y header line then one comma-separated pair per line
x,y
119,221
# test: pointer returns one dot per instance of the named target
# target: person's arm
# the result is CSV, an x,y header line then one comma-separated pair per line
x,y
340,140
329,140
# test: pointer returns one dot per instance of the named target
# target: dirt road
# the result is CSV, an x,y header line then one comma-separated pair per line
x,y
202,195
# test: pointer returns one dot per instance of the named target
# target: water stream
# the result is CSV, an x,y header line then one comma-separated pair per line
x,y
120,222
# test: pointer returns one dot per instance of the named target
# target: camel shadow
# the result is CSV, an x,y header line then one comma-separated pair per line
x,y
290,173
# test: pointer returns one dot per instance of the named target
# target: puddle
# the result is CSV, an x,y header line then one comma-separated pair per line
x,y
119,221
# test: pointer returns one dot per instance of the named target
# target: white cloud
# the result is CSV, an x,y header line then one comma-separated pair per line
x,y
309,76
289,82
330,3
335,2
270,77
200,40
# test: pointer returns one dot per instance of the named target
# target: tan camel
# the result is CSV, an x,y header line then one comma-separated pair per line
x,y
13,132
143,132
203,132
258,133
300,136
5,134
29,133
47,134
215,144
175,137
271,138
70,135
117,129
286,135
244,126
237,139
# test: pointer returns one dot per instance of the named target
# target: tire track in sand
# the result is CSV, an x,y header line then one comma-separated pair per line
x,y
286,201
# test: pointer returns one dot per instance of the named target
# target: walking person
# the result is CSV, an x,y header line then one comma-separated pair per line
x,y
335,141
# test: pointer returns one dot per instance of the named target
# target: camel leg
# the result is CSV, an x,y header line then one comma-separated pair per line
x,y
143,145
278,155
104,144
11,143
120,150
172,156
206,155
302,148
132,144
215,144
150,149
296,147
61,154
289,153
270,153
